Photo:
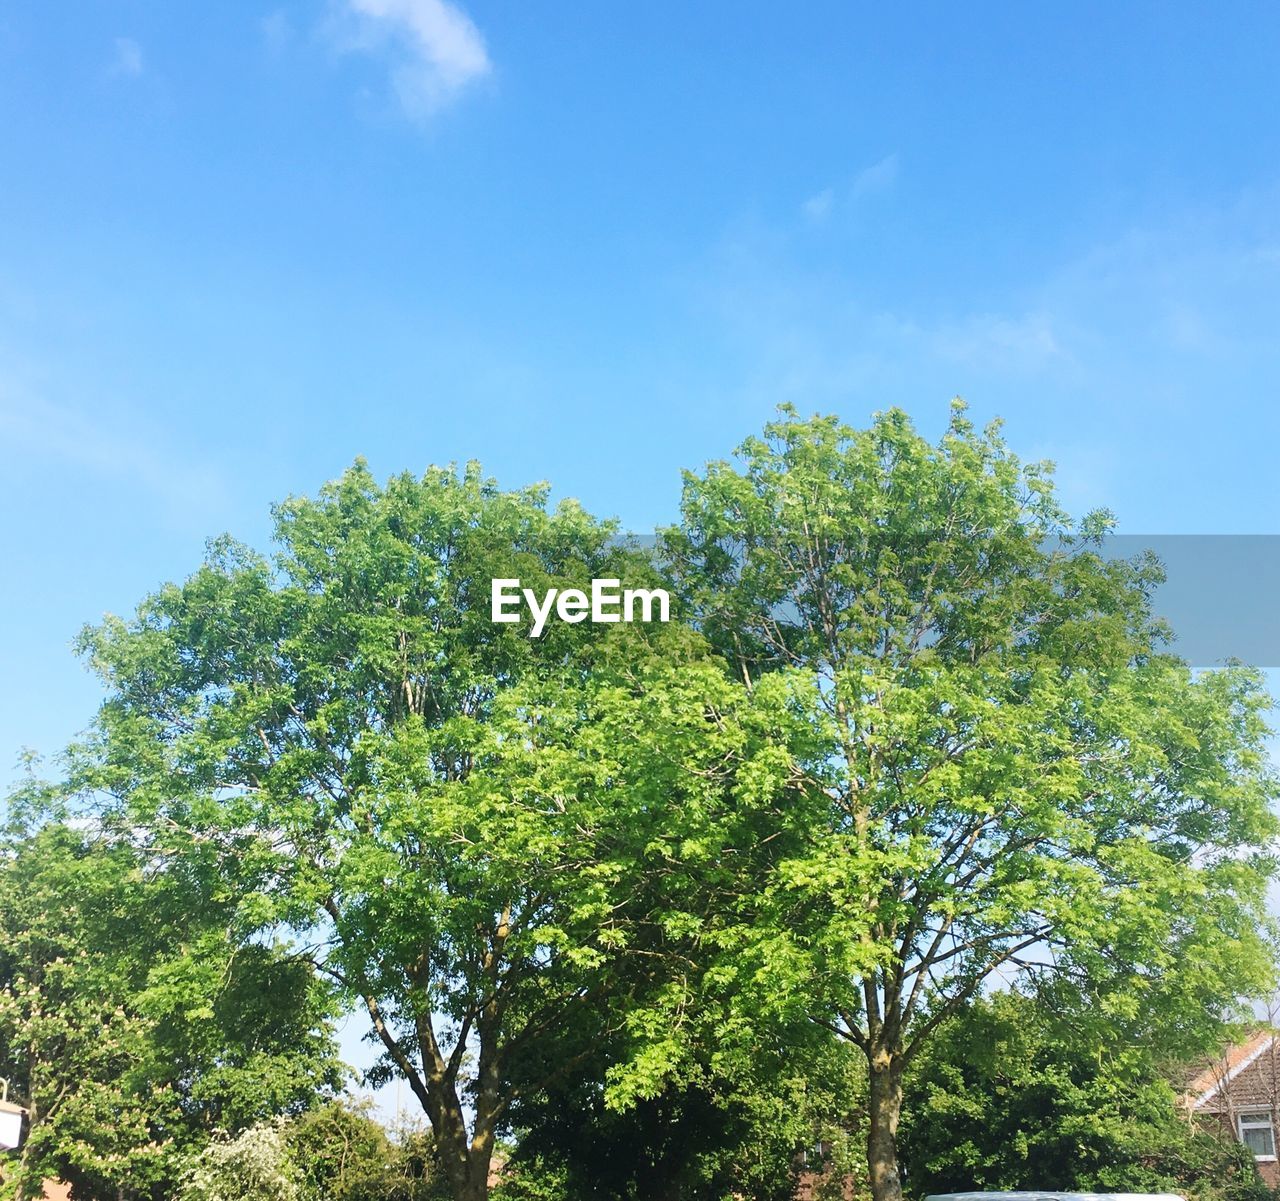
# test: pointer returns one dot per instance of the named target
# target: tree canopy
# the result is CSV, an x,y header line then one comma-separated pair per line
x,y
133,1017
460,818
911,737
1007,774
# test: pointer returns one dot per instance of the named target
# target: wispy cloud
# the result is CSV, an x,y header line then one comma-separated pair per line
x,y
807,335
126,59
879,177
1169,323
991,342
434,49
42,431
818,207
873,180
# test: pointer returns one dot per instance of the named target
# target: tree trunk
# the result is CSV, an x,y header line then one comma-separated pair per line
x,y
465,1164
476,1187
24,1189
479,1162
884,1108
468,1179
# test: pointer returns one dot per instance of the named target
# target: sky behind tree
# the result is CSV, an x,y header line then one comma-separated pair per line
x,y
242,244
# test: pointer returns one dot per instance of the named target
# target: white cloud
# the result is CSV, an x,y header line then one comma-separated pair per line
x,y
991,342
436,49
127,59
1166,326
879,177
870,181
818,208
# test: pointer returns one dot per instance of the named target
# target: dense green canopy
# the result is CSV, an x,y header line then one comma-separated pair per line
x,y
910,737
1018,1093
1003,774
467,824
136,1014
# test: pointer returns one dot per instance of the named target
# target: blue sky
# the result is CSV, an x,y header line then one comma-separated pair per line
x,y
242,243
598,243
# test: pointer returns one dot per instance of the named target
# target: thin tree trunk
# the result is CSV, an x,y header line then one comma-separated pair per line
x,y
884,1109
23,1191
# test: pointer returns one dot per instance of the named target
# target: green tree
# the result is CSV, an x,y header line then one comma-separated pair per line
x,y
70,1039
452,811
130,1023
741,1116
344,1154
702,1142
1004,773
1016,1094
333,1152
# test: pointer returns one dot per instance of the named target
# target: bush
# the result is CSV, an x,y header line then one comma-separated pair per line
x,y
345,1155
254,1166
336,1152
1012,1097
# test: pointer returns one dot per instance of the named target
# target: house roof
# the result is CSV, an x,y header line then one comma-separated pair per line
x,y
9,1107
1202,1087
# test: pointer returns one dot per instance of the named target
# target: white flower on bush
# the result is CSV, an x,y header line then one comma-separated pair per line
x,y
254,1166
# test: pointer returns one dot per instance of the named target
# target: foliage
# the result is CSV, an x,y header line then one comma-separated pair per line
x,y
913,732
751,1106
460,816
253,1166
334,1152
1011,1095
343,1154
692,1144
534,1177
129,1021
741,1135
71,1042
1000,770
